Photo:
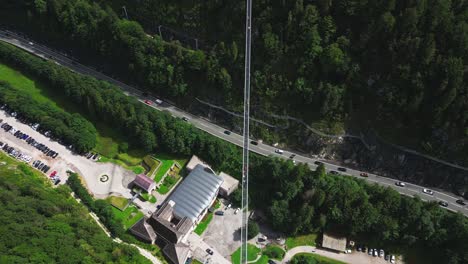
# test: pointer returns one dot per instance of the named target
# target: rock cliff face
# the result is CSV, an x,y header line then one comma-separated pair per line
x,y
373,155
389,161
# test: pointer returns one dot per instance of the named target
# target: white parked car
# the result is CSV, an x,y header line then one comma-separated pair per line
x,y
348,251
237,210
381,253
427,191
392,259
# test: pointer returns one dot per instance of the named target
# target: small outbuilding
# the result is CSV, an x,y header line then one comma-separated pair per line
x,y
229,185
334,243
144,183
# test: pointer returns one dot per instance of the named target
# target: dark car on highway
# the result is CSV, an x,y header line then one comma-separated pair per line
x,y
292,156
227,132
342,169
318,162
254,142
334,172
460,202
442,203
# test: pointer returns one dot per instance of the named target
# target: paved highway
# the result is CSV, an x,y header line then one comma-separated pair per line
x,y
203,124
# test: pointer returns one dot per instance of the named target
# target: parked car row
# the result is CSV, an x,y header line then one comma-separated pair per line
x,y
15,153
376,253
29,140
41,166
92,155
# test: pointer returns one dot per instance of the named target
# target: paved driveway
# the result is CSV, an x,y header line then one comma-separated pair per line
x,y
90,170
198,247
223,232
354,258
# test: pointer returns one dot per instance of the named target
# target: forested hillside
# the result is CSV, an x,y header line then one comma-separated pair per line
x,y
295,199
41,224
394,67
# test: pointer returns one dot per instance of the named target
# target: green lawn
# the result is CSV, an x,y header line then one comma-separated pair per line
x,y
314,258
168,183
252,253
201,227
196,262
262,260
25,84
305,240
274,252
129,217
118,202
181,160
165,166
163,189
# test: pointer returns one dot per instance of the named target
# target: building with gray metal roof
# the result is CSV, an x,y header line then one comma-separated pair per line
x,y
196,193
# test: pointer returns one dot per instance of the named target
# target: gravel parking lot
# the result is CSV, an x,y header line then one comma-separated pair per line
x,y
90,170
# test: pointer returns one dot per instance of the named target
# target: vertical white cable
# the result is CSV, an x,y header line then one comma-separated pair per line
x,y
245,157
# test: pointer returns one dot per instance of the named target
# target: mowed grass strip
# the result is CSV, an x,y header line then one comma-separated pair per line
x,y
118,202
304,240
252,253
201,227
129,217
314,258
165,166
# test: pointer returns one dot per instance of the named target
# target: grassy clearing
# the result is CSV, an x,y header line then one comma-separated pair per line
x,y
314,258
201,227
262,260
169,181
165,166
252,253
129,217
196,262
180,160
305,240
23,83
118,202
274,252
152,163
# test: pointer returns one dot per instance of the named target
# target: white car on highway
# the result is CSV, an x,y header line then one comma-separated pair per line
x,y
401,184
427,191
279,151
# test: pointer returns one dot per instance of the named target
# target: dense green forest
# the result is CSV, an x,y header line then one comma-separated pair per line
x,y
296,199
41,224
395,67
71,129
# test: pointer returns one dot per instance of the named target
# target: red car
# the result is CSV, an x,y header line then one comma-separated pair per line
x,y
53,174
148,102
363,174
